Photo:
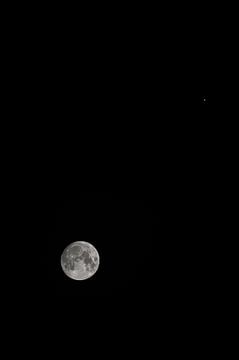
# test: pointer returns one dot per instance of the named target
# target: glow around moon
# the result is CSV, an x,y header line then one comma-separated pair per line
x,y
80,260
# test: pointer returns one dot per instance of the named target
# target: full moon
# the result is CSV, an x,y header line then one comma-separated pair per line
x,y
80,260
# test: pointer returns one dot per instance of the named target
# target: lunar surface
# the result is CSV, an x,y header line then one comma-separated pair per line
x,y
80,260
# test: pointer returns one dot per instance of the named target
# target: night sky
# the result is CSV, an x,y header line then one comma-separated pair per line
x,y
114,136
122,155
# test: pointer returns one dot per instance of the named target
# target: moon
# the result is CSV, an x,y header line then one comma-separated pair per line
x,y
80,260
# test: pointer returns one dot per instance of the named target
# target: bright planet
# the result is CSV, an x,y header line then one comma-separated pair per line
x,y
80,260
